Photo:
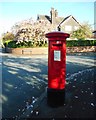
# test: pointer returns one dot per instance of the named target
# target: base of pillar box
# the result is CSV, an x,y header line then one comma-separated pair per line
x,y
55,97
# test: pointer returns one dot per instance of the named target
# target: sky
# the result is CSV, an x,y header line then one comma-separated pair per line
x,y
13,12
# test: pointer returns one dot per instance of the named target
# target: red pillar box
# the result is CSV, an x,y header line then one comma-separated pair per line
x,y
56,68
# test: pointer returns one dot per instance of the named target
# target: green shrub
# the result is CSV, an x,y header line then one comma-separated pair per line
x,y
6,42
29,44
12,44
71,43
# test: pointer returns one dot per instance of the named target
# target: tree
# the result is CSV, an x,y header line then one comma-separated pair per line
x,y
34,32
84,32
8,36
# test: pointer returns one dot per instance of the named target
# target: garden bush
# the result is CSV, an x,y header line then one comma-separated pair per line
x,y
6,42
72,43
29,44
69,43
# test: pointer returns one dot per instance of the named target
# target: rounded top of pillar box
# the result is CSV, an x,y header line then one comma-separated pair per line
x,y
57,35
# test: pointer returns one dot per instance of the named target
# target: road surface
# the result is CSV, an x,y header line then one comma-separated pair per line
x,y
24,79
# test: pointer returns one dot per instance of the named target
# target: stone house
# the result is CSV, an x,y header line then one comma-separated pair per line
x,y
67,24
47,24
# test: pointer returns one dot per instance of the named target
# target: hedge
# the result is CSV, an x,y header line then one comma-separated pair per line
x,y
71,43
12,44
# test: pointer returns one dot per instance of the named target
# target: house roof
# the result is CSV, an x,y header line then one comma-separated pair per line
x,y
67,18
57,20
94,31
46,17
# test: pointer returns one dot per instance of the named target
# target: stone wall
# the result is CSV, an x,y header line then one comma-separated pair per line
x,y
27,51
41,51
81,49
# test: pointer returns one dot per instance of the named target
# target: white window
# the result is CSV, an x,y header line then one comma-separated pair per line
x,y
68,28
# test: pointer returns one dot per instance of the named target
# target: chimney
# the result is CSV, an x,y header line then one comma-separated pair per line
x,y
54,14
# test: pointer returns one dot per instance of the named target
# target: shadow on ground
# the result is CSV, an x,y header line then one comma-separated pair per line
x,y
21,81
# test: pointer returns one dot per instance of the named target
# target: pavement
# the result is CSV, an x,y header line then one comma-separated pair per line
x,y
24,83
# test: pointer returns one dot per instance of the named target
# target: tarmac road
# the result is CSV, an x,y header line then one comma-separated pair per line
x,y
24,79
